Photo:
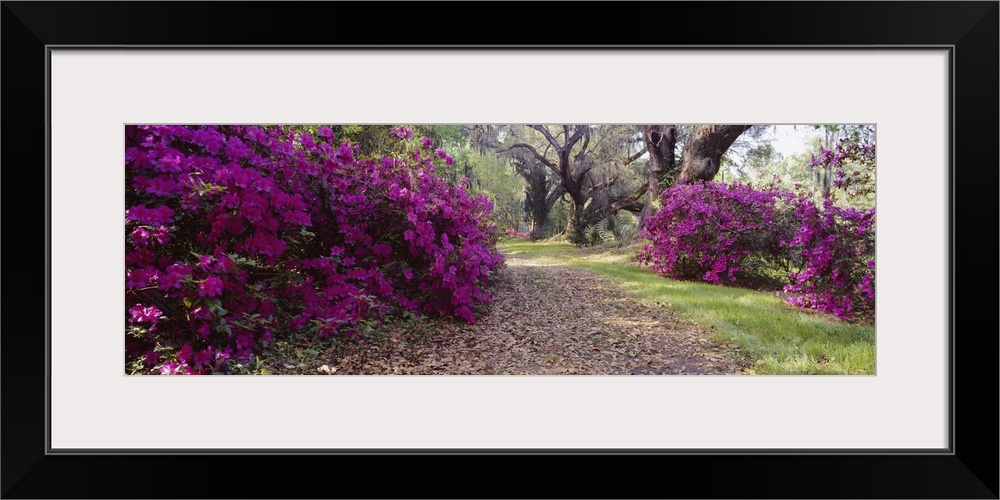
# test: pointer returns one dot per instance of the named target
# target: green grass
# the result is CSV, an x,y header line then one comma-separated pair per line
x,y
779,338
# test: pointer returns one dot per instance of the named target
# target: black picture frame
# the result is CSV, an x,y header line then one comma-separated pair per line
x,y
968,470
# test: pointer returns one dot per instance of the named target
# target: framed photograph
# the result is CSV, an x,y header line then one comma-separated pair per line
x,y
921,76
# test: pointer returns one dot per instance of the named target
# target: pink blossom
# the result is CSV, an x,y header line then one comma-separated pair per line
x,y
211,287
203,358
140,314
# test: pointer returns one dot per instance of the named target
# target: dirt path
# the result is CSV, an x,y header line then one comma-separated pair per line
x,y
548,318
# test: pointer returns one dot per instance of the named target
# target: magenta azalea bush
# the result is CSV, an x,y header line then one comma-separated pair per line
x,y
708,230
837,244
837,248
239,235
712,231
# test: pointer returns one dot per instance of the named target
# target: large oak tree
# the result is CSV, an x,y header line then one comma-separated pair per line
x,y
704,149
585,166
587,161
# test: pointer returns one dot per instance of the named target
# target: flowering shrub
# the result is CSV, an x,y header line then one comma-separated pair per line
x,y
712,231
837,247
707,230
236,235
837,244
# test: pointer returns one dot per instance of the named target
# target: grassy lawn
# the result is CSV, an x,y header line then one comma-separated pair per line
x,y
781,339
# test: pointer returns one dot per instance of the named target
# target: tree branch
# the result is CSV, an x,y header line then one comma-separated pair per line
x,y
630,201
557,192
548,136
606,183
537,155
579,132
583,149
634,157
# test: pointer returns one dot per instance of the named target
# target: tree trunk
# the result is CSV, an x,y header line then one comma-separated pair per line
x,y
537,228
539,197
830,136
703,153
534,202
661,141
576,223
537,215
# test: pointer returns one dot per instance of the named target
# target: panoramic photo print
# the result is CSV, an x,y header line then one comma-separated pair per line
x,y
499,249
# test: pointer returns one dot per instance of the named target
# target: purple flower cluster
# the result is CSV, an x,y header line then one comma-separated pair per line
x,y
239,234
400,132
853,181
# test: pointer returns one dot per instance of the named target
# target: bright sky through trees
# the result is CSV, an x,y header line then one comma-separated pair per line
x,y
791,139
